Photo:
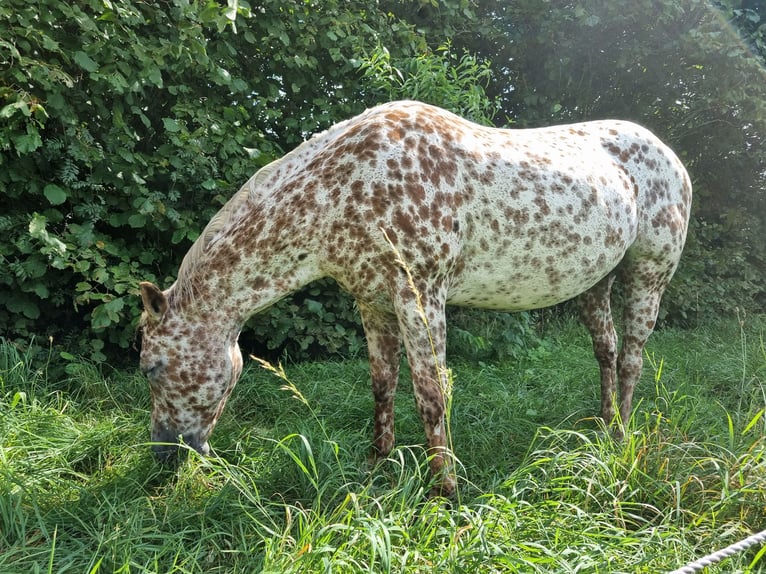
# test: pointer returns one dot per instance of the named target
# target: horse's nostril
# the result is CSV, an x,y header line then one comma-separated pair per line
x,y
166,444
194,442
166,453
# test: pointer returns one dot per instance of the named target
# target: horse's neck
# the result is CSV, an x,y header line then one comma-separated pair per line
x,y
231,287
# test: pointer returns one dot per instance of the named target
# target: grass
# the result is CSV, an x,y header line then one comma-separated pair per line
x,y
542,488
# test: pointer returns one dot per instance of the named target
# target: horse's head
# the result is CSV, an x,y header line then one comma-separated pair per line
x,y
192,366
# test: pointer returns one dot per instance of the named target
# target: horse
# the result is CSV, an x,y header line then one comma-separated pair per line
x,y
410,208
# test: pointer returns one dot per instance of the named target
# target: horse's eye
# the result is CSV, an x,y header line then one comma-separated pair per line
x,y
151,371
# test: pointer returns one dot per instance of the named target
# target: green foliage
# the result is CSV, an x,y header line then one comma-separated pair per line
x,y
103,156
439,77
486,335
320,320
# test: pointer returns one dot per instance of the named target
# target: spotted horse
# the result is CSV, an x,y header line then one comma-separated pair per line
x,y
483,217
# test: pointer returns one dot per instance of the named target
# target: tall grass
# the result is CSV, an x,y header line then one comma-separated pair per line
x,y
543,487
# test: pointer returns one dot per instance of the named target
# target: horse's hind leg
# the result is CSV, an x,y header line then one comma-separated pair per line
x,y
645,281
596,314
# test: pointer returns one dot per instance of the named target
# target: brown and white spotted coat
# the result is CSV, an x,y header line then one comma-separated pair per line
x,y
482,217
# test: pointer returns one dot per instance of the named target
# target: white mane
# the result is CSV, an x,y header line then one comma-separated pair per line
x,y
248,194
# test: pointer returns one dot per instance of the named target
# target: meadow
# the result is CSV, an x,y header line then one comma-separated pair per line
x,y
542,487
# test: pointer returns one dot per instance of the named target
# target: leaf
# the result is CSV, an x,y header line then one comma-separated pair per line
x,y
155,77
29,142
19,397
314,306
178,236
223,76
171,125
753,421
41,290
137,220
38,231
85,61
10,109
31,310
55,194
114,307
99,318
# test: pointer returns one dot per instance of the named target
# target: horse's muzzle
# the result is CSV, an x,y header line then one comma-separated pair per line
x,y
166,447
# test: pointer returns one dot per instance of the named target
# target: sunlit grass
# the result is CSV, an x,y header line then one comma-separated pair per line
x,y
543,488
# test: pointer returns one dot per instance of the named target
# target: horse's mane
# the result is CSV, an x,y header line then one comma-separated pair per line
x,y
248,193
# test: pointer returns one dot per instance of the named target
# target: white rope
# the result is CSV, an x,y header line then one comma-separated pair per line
x,y
715,557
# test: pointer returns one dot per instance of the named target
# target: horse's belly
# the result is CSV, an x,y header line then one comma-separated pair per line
x,y
529,280
533,248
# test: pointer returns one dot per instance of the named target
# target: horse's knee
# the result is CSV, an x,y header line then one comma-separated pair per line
x,y
429,398
605,353
630,363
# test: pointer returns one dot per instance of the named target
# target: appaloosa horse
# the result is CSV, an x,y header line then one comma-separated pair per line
x,y
482,217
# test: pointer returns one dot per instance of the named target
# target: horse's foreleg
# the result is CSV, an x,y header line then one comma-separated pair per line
x,y
423,326
596,315
384,346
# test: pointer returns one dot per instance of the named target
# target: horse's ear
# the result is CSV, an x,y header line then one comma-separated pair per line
x,y
155,302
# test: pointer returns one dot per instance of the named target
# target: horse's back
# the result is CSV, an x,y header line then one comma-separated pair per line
x,y
523,219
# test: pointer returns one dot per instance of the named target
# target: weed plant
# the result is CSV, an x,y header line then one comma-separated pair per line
x,y
543,487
